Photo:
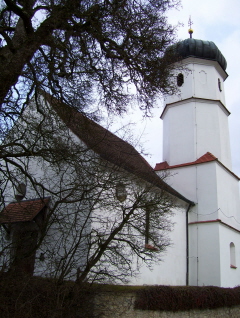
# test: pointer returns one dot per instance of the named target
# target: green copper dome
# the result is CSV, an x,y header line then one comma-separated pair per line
x,y
201,49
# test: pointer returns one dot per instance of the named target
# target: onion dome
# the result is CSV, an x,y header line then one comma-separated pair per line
x,y
201,49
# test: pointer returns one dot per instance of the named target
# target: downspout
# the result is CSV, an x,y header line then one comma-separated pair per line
x,y
187,246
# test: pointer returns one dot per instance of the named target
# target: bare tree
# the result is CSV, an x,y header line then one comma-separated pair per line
x,y
106,205
86,54
83,51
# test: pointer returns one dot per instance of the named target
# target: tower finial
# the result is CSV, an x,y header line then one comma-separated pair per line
x,y
190,30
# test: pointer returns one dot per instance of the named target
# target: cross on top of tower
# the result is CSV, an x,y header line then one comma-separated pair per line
x,y
190,30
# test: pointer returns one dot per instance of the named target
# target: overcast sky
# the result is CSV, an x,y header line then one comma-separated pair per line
x,y
217,21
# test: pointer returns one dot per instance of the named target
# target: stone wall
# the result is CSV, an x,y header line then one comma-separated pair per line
x,y
116,305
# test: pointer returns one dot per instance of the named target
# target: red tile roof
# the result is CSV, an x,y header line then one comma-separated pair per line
x,y
205,158
22,211
108,145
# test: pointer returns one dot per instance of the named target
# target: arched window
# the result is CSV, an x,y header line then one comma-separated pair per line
x,y
180,79
232,256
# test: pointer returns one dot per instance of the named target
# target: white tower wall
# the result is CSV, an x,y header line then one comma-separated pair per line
x,y
204,257
229,275
200,80
195,120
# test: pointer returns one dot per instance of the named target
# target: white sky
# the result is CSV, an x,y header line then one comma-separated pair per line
x,y
217,21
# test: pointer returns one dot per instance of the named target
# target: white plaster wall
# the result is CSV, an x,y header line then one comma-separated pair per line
x,y
228,197
194,127
216,194
193,255
206,74
204,254
183,180
207,205
198,184
225,155
230,277
218,198
200,80
172,269
212,132
179,134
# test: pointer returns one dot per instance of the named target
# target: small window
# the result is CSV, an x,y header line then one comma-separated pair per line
x,y
121,192
42,257
180,79
148,244
232,256
219,85
147,226
20,191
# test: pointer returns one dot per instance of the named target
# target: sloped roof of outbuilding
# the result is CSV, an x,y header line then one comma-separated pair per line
x,y
107,145
23,211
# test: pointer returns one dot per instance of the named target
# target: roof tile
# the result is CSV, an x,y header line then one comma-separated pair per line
x,y
205,158
22,211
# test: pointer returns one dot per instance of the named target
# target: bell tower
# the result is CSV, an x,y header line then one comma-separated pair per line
x,y
195,119
196,153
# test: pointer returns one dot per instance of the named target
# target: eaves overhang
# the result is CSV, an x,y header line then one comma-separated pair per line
x,y
206,158
195,99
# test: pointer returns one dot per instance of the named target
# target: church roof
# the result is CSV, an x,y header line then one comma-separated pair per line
x,y
107,145
201,49
22,211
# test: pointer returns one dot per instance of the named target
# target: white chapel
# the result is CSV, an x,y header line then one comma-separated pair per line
x,y
196,152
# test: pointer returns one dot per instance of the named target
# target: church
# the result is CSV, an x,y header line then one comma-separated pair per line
x,y
205,237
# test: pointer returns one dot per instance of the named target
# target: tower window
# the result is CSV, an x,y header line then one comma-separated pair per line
x,y
232,256
219,85
180,79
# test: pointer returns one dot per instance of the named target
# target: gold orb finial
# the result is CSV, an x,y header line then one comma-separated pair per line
x,y
190,30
